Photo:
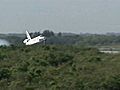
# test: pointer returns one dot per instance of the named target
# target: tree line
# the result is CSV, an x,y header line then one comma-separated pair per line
x,y
68,39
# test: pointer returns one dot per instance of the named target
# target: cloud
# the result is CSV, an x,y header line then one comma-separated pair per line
x,y
60,15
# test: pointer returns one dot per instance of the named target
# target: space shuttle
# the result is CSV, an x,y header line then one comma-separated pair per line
x,y
31,41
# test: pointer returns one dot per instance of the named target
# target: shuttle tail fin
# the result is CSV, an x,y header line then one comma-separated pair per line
x,y
28,35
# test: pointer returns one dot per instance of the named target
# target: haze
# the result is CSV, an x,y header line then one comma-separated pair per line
x,y
91,16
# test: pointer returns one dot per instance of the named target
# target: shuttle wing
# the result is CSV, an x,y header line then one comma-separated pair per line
x,y
28,35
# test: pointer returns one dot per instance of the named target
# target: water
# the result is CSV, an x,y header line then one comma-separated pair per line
x,y
114,52
4,42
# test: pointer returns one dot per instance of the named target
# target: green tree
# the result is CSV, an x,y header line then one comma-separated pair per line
x,y
48,33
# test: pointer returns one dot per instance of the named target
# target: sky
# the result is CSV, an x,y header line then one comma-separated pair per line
x,y
76,16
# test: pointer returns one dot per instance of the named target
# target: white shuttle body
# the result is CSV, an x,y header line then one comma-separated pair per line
x,y
31,41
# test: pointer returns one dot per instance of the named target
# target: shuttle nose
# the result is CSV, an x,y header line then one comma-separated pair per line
x,y
44,38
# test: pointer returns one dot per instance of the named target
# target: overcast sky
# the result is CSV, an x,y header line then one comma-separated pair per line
x,y
92,16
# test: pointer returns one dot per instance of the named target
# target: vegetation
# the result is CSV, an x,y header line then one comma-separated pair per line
x,y
67,38
58,67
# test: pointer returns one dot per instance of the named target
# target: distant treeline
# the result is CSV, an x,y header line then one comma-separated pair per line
x,y
68,38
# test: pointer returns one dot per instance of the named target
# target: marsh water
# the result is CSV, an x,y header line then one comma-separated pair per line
x,y
4,42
